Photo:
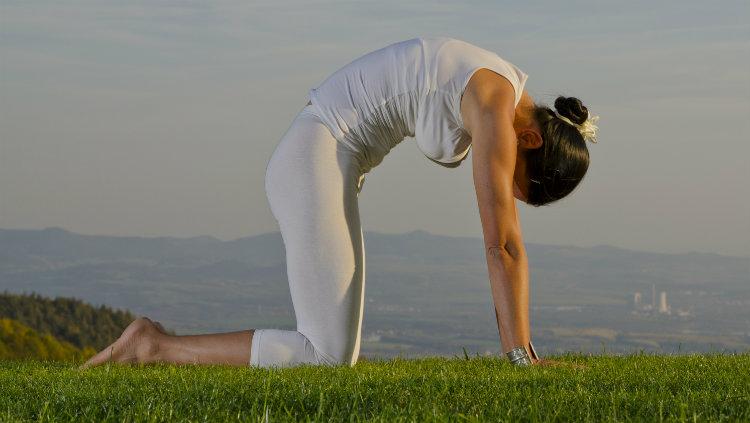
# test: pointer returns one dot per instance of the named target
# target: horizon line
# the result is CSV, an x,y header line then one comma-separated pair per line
x,y
421,231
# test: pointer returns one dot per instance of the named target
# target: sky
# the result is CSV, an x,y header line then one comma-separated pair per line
x,y
157,118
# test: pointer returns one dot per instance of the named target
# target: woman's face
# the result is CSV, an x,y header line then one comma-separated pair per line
x,y
518,193
520,182
528,136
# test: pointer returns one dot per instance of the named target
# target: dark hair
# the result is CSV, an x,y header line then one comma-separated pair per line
x,y
558,166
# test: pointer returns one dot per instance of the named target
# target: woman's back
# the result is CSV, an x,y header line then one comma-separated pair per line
x,y
407,89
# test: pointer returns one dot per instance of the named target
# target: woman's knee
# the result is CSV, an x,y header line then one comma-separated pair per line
x,y
334,353
285,348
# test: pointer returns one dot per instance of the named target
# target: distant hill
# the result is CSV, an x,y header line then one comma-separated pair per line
x,y
424,293
18,341
67,319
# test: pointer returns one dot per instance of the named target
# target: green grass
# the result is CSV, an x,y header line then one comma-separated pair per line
x,y
640,387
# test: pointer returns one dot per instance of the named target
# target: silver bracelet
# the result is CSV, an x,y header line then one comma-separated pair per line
x,y
519,356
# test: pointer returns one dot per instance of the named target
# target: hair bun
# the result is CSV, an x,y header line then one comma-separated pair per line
x,y
572,108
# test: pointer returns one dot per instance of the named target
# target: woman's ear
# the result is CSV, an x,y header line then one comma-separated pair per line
x,y
529,138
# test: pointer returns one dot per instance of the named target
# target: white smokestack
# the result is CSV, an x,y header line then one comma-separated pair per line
x,y
663,306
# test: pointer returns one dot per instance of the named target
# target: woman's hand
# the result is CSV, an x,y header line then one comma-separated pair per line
x,y
555,363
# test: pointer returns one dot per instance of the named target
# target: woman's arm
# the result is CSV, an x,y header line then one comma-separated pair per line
x,y
488,109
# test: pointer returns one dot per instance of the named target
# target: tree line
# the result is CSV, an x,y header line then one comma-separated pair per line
x,y
34,326
18,341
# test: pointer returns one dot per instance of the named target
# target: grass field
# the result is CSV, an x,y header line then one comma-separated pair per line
x,y
626,388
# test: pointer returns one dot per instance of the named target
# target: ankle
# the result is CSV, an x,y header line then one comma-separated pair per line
x,y
150,346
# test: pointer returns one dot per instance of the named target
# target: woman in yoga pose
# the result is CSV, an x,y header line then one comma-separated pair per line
x,y
450,96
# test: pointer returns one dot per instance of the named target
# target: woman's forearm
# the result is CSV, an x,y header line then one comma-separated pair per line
x,y
509,281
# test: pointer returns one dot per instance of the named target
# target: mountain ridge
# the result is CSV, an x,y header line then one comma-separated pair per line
x,y
57,231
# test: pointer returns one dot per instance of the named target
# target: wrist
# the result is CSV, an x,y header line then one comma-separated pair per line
x,y
524,355
519,356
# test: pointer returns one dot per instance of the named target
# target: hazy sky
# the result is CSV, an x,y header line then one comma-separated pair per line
x,y
158,117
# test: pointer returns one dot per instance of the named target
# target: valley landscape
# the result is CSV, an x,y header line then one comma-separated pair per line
x,y
425,294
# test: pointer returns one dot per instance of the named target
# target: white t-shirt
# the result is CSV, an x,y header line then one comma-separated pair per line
x,y
411,88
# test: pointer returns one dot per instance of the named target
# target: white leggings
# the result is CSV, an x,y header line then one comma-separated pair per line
x,y
313,182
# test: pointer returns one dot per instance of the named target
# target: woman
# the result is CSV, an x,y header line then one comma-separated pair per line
x,y
450,96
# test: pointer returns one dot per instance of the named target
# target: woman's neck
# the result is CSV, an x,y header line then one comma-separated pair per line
x,y
524,113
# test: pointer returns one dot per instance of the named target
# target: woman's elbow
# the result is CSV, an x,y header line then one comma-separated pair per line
x,y
504,250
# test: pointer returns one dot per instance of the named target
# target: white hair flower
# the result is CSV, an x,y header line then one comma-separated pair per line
x,y
587,129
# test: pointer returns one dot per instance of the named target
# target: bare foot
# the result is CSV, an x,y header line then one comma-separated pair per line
x,y
161,328
139,343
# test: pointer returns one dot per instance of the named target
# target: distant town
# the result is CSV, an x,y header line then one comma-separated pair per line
x,y
640,307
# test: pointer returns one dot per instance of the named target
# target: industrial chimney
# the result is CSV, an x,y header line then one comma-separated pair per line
x,y
663,306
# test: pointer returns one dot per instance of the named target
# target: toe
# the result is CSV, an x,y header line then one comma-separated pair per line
x,y
102,357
